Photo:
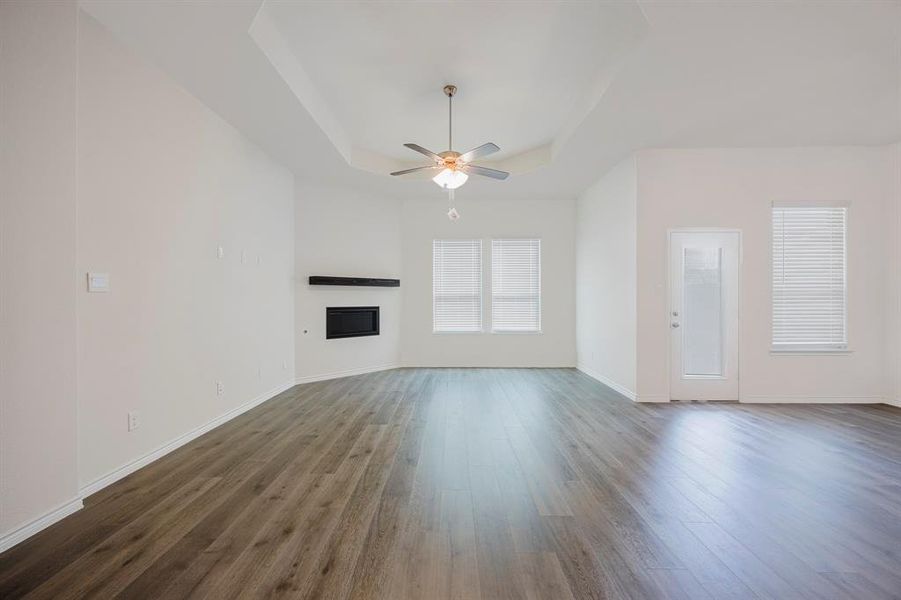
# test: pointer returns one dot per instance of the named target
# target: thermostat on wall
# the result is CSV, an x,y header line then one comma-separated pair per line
x,y
98,282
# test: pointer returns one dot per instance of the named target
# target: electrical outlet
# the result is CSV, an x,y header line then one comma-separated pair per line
x,y
220,388
243,257
259,372
284,365
220,252
134,420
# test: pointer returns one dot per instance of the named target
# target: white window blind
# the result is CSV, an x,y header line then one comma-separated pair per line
x,y
809,279
457,285
516,285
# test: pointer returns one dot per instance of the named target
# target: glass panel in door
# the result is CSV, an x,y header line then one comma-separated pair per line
x,y
702,320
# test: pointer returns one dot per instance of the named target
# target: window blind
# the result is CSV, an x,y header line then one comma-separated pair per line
x,y
516,285
457,285
809,278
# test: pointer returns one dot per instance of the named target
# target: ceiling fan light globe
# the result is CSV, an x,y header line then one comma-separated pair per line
x,y
450,179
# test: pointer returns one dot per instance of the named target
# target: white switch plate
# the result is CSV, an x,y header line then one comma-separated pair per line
x,y
243,257
220,389
220,252
98,282
134,420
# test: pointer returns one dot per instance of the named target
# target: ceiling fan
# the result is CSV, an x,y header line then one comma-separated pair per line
x,y
454,168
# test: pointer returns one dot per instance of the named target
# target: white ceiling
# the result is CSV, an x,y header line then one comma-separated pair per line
x,y
567,89
526,74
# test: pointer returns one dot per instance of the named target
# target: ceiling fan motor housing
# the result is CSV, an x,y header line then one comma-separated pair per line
x,y
450,159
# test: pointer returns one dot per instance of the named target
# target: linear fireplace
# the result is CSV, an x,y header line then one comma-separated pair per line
x,y
351,321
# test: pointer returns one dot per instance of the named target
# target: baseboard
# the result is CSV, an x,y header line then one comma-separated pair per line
x,y
890,402
345,373
131,467
27,530
409,365
787,399
653,398
609,383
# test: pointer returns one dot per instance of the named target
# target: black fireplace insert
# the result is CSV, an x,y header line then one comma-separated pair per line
x,y
351,321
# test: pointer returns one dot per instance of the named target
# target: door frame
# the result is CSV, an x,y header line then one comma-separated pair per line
x,y
669,294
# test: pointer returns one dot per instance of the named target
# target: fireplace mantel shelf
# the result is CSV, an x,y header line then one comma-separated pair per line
x,y
353,281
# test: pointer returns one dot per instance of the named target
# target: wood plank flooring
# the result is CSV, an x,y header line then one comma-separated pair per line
x,y
493,483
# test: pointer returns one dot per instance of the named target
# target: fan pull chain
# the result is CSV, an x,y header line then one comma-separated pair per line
x,y
452,213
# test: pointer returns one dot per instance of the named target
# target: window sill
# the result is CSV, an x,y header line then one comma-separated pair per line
x,y
502,332
487,332
809,352
457,332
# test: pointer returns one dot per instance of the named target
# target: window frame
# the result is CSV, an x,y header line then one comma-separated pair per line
x,y
492,328
810,349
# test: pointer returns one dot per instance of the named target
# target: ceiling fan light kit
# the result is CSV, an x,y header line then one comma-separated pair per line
x,y
454,168
450,179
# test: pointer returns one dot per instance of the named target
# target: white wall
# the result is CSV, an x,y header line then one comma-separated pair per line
x,y
734,188
552,221
162,182
606,230
38,464
343,232
892,267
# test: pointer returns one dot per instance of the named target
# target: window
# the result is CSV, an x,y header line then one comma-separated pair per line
x,y
456,285
809,280
516,285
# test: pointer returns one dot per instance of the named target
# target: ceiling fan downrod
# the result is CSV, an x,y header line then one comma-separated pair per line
x,y
449,91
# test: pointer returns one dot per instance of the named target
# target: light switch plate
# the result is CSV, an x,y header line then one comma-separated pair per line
x,y
98,282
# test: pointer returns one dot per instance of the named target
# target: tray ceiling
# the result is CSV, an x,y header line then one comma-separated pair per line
x,y
371,73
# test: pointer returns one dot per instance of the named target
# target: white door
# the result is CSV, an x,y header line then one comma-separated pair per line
x,y
703,317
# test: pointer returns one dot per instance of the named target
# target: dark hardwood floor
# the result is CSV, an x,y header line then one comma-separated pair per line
x,y
490,483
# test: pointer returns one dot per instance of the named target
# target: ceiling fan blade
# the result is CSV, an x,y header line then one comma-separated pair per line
x,y
406,171
483,150
421,150
493,173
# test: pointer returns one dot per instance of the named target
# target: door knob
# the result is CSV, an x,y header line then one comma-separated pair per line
x,y
674,325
